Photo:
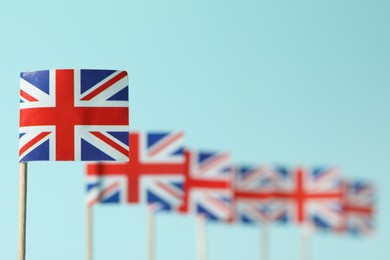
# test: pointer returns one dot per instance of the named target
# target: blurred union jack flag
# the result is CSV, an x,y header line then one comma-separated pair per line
x,y
208,185
254,195
154,174
68,115
314,196
359,208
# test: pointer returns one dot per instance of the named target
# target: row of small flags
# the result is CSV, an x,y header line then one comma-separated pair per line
x,y
83,115
163,173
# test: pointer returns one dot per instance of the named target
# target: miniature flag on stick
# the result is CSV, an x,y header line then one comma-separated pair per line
x,y
314,196
359,208
71,115
254,195
208,190
154,175
74,115
255,202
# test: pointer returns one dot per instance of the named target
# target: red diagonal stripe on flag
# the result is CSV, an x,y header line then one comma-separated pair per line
x,y
217,203
33,141
168,189
111,143
165,143
103,193
105,86
27,96
211,163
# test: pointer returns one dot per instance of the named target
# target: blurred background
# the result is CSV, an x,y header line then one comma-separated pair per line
x,y
291,82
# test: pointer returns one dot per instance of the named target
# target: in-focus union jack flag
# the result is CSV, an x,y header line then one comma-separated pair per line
x,y
359,208
74,115
208,185
314,196
254,195
154,174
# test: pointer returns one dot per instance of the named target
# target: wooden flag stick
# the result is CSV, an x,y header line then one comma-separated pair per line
x,y
22,210
151,233
307,232
264,242
89,226
202,243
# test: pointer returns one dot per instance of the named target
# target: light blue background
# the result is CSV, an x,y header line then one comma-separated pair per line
x,y
295,82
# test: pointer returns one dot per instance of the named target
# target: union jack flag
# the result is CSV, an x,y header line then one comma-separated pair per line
x,y
154,174
208,189
74,115
254,195
358,208
314,196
